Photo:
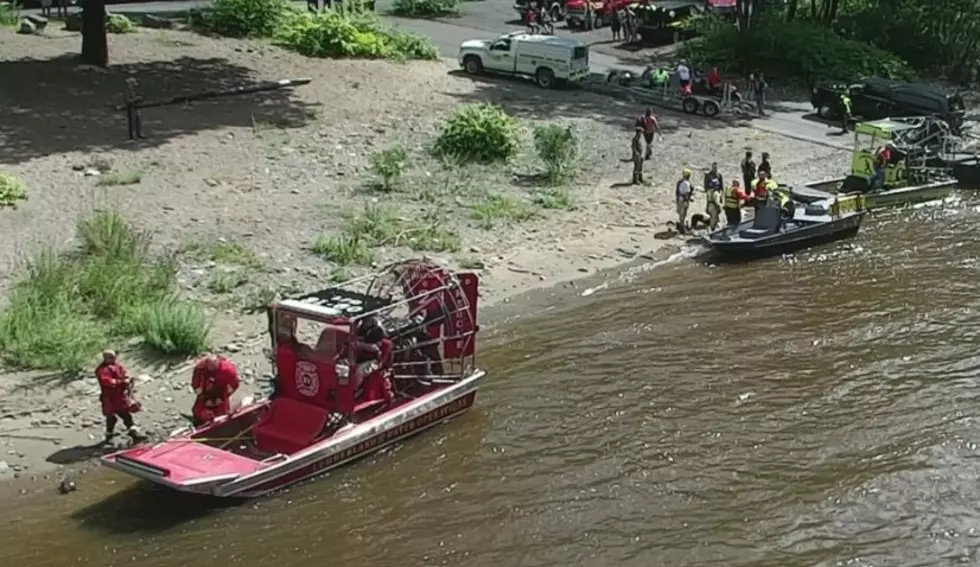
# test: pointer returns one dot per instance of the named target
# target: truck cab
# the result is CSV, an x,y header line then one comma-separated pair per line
x,y
548,59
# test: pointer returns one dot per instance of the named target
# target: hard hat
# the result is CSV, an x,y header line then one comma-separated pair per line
x,y
686,172
735,183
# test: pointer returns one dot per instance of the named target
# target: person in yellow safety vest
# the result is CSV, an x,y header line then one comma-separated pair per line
x,y
786,204
734,197
761,187
845,117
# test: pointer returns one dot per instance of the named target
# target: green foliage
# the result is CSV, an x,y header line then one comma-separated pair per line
x,y
492,209
118,23
389,165
66,307
783,50
935,35
336,34
558,148
9,13
242,18
12,190
478,133
425,8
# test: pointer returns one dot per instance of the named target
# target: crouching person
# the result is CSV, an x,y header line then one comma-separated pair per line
x,y
214,381
117,397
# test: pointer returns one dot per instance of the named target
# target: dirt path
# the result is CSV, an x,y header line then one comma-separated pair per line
x,y
263,177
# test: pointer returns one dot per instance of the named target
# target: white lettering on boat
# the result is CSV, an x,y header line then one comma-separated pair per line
x,y
394,433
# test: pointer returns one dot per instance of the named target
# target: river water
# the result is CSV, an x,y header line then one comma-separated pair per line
x,y
818,412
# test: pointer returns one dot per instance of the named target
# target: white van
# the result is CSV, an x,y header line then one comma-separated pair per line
x,y
547,59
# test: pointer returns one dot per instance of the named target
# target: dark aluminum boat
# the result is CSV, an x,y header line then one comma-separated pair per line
x,y
770,233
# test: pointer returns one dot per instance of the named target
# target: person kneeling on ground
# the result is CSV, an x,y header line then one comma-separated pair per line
x,y
735,197
117,397
215,379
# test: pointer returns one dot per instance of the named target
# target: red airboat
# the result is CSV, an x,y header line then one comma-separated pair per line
x,y
329,405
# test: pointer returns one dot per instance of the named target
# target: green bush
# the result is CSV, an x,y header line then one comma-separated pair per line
x,y
335,34
67,307
782,50
425,8
478,133
557,147
118,23
242,18
389,165
12,190
9,13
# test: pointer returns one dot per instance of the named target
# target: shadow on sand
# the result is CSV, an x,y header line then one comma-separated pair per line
x,y
56,105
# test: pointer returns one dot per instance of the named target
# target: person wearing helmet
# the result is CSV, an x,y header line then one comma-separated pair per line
x,y
714,184
684,192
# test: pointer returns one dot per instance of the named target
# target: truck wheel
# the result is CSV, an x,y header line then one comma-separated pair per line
x,y
545,78
690,105
472,65
556,15
710,108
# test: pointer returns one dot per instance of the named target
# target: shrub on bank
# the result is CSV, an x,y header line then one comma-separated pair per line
x,y
68,306
12,190
425,9
118,23
791,50
241,18
557,147
350,32
335,34
478,133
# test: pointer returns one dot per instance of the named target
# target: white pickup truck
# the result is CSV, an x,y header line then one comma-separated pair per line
x,y
548,59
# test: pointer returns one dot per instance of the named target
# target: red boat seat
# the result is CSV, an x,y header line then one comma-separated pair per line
x,y
290,426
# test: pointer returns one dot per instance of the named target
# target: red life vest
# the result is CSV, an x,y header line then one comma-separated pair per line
x,y
761,191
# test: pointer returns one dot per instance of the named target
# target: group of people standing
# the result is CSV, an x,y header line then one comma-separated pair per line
x,y
759,188
214,380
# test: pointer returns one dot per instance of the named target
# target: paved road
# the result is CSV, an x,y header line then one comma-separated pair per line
x,y
486,18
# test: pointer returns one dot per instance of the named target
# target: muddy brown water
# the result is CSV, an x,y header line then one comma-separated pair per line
x,y
816,412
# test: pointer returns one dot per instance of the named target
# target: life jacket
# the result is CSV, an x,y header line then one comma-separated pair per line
x,y
661,76
714,184
883,157
731,198
783,198
846,101
762,189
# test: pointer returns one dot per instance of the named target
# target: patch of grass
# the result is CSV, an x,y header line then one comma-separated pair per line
x,y
10,13
12,190
425,9
340,275
554,198
382,226
492,208
227,282
118,23
471,264
119,178
389,165
65,307
259,298
223,252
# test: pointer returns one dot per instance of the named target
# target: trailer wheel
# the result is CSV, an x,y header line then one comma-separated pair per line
x,y
736,96
545,78
690,105
710,108
556,15
472,65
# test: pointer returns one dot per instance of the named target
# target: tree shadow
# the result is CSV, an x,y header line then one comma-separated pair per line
x,y
147,508
56,105
525,100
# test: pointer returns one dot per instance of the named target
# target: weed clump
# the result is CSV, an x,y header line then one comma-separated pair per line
x,y
425,9
389,165
67,306
481,133
557,147
118,23
12,190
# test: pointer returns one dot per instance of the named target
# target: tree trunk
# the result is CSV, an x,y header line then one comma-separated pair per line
x,y
95,46
791,10
743,9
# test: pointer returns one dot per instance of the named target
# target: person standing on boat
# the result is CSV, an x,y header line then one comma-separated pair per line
x,y
762,186
748,171
714,184
683,193
215,379
117,397
883,157
734,198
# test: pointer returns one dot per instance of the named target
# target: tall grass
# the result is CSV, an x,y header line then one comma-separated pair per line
x,y
68,305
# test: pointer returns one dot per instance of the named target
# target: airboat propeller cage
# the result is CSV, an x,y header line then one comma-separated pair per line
x,y
409,299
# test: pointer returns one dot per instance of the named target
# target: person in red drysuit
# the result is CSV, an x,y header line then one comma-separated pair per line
x,y
370,345
215,379
714,80
117,397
